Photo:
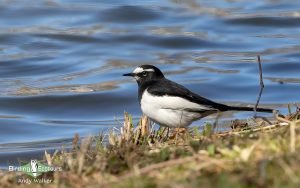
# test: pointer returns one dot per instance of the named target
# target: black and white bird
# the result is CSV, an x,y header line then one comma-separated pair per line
x,y
172,105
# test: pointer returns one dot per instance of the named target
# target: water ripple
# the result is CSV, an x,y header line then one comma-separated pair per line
x,y
266,21
61,62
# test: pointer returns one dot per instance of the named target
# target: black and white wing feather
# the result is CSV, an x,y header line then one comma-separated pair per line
x,y
175,96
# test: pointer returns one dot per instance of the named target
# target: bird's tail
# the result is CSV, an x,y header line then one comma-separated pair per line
x,y
243,108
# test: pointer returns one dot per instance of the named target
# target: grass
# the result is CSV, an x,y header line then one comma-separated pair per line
x,y
259,154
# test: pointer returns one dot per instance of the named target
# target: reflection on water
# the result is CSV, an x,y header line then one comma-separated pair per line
x,y
61,61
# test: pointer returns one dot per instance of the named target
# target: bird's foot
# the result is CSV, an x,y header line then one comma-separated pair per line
x,y
178,133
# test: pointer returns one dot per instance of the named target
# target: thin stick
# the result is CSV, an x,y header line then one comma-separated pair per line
x,y
261,85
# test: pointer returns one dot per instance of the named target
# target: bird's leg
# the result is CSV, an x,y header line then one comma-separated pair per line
x,y
176,137
219,114
178,129
178,132
167,134
161,132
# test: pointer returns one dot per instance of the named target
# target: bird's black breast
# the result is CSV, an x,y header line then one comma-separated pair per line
x,y
164,87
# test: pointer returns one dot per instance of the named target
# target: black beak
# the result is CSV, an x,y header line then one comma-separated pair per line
x,y
129,74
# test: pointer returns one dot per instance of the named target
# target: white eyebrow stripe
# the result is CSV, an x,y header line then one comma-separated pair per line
x,y
138,70
149,70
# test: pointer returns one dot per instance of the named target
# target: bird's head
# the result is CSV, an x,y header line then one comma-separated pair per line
x,y
145,73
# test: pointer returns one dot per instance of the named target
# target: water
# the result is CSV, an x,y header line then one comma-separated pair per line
x,y
61,61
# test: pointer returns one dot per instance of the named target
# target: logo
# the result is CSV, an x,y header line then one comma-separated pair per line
x,y
34,169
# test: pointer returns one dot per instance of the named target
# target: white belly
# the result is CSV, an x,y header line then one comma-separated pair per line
x,y
170,111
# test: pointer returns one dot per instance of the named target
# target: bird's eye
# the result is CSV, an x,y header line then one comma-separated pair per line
x,y
144,73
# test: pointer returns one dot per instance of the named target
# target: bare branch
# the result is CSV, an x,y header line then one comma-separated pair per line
x,y
261,85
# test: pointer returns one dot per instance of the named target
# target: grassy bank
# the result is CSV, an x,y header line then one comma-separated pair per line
x,y
262,155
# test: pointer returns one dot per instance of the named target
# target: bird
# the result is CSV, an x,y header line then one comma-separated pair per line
x,y
172,105
34,167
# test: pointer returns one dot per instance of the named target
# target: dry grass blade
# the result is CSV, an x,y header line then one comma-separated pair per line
x,y
50,159
144,125
81,154
292,124
127,129
262,154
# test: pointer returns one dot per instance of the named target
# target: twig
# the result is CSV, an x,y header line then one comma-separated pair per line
x,y
254,129
281,122
261,85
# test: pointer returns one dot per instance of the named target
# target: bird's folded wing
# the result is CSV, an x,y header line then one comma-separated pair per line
x,y
175,96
